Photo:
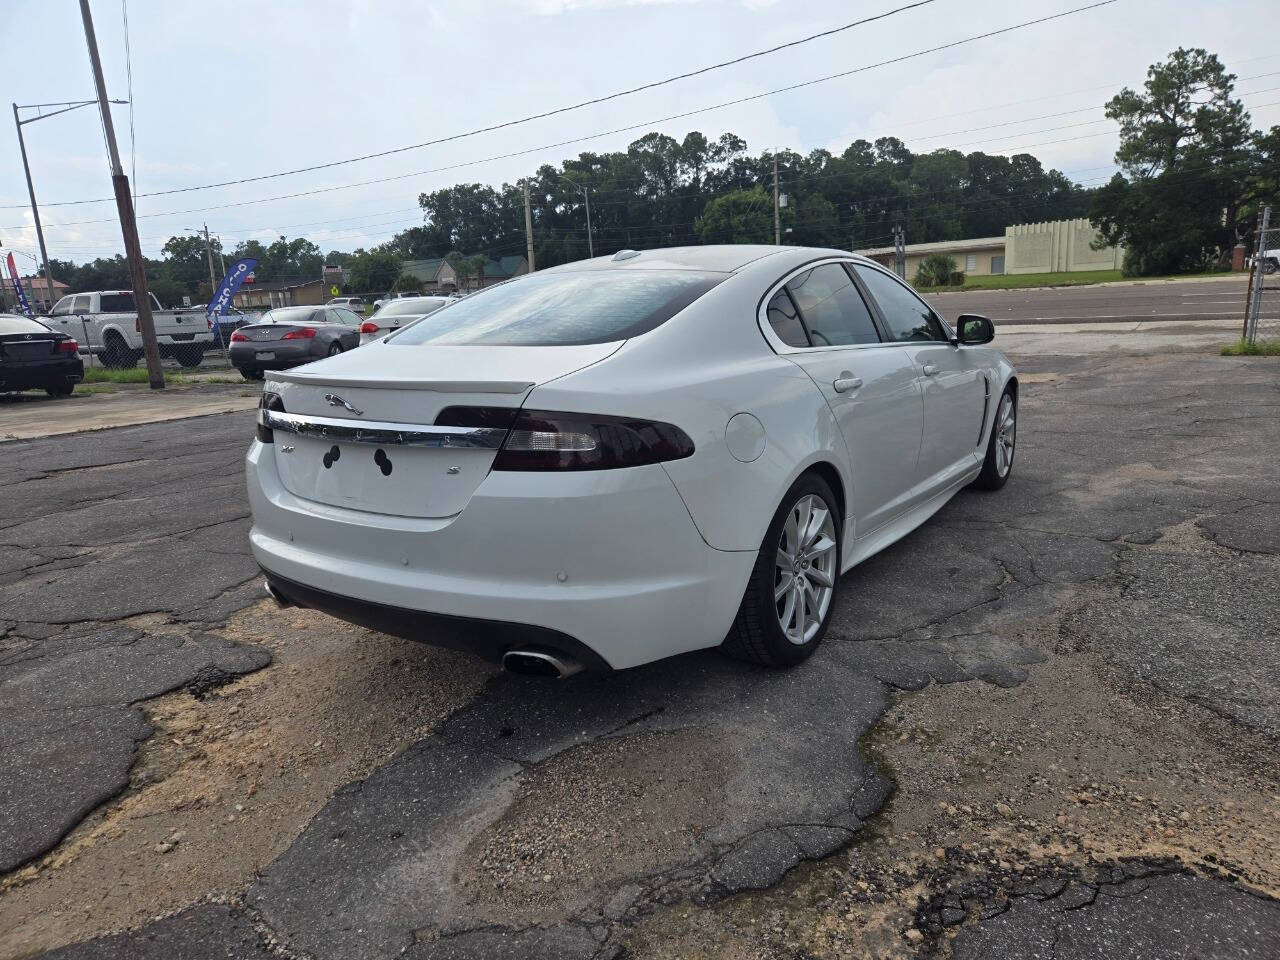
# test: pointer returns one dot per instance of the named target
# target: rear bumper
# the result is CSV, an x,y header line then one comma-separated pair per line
x,y
489,639
244,356
28,375
604,566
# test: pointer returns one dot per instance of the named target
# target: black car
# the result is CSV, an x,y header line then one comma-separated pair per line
x,y
290,336
33,357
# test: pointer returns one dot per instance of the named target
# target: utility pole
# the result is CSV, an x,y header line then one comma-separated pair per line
x,y
208,251
777,218
591,250
899,251
222,261
35,212
528,227
124,203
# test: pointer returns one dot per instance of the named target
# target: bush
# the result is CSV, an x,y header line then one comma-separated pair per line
x,y
936,270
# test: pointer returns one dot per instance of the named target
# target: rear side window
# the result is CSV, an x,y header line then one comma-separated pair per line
x,y
785,321
564,309
832,308
81,303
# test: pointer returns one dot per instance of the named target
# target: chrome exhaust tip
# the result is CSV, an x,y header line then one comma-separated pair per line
x,y
276,595
536,663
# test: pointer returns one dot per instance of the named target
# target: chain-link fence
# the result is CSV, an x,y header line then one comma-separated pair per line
x,y
1262,318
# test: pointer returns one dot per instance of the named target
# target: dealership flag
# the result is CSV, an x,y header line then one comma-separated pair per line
x,y
23,305
221,301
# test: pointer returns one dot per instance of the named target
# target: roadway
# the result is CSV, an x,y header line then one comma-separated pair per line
x,y
1159,300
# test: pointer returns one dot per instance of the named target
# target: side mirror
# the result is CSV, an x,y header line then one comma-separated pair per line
x,y
973,330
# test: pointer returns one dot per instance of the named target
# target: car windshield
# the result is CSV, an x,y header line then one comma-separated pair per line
x,y
564,309
410,307
288,315
12,323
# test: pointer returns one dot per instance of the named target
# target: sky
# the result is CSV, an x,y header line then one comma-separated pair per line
x,y
248,88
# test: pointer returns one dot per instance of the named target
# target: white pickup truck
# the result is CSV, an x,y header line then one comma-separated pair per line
x,y
106,325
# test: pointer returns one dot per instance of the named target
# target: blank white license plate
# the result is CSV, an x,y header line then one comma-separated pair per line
x,y
266,355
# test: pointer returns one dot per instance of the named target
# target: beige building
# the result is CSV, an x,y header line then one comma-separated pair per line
x,y
1060,246
980,257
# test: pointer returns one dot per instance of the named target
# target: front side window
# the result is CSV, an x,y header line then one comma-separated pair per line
x,y
832,308
909,318
63,308
564,309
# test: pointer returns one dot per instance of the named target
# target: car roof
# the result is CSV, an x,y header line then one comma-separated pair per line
x,y
716,258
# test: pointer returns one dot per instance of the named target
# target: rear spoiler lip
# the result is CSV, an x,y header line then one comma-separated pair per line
x,y
437,386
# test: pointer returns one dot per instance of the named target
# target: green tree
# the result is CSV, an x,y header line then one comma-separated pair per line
x,y
373,271
742,216
1186,152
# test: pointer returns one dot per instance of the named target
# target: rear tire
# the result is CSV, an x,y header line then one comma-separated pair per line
x,y
758,633
63,389
1270,266
117,354
335,348
251,374
189,356
998,465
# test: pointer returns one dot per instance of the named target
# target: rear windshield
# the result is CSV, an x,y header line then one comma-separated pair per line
x,y
288,315
122,303
410,307
564,309
10,323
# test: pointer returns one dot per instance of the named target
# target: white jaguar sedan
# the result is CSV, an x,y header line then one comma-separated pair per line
x,y
617,460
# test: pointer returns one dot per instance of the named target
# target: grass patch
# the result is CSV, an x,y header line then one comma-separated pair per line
x,y
104,375
1259,348
83,388
128,375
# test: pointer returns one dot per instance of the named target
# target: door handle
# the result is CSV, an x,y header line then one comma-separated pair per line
x,y
930,369
845,384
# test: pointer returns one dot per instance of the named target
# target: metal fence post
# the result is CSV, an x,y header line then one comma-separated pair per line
x,y
1258,272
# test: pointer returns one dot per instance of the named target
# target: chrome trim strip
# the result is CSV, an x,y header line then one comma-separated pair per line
x,y
386,434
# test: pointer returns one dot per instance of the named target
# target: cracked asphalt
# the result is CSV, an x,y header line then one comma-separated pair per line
x,y
1043,725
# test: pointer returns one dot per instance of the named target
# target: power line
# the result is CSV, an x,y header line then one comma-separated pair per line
x,y
537,116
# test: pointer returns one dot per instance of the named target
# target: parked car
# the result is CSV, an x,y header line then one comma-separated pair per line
x,y
229,323
394,314
106,323
34,357
620,459
354,304
1268,261
290,336
379,303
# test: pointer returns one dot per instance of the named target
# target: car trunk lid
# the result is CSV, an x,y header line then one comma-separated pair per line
x,y
360,430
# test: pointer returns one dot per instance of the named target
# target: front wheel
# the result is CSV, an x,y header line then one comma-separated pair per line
x,y
1270,266
791,593
1004,434
117,354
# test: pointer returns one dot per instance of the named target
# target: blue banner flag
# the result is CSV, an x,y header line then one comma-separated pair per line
x,y
221,301
18,292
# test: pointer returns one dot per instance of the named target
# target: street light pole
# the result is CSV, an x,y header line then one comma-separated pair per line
x,y
35,211
124,203
591,252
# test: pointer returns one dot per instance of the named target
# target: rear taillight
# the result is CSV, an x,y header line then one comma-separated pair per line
x,y
369,327
306,333
543,440
268,401
68,346
238,337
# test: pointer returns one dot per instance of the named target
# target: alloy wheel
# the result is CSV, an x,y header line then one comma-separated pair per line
x,y
1006,434
805,569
